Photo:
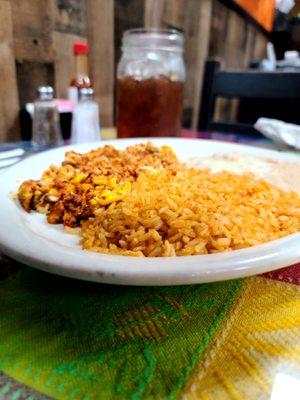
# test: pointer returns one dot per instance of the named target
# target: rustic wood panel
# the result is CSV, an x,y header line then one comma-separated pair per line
x,y
63,60
100,14
231,39
218,30
217,49
70,17
9,104
44,31
174,13
235,42
249,51
238,53
31,75
32,29
260,47
296,9
128,14
190,30
154,10
235,45
201,49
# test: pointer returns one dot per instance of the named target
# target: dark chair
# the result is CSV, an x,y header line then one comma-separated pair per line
x,y
244,85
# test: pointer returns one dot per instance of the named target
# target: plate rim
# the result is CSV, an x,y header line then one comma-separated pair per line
x,y
154,275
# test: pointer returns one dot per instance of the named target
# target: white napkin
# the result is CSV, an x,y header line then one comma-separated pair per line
x,y
281,132
285,6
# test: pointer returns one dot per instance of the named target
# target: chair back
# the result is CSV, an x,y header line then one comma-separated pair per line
x,y
247,85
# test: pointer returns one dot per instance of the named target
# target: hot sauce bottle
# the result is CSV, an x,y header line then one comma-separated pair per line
x,y
80,77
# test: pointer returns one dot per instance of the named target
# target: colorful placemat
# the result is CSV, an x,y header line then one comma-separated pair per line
x,y
67,339
258,343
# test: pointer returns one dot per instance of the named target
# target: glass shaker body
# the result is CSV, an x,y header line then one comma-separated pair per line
x,y
85,120
45,127
150,83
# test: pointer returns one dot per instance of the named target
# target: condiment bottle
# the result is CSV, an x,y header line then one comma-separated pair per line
x,y
80,77
85,120
46,127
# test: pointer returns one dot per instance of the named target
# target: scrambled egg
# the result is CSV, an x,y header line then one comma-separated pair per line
x,y
108,193
72,192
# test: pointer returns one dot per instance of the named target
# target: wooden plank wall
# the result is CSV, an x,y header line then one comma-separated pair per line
x,y
128,14
70,26
238,44
193,18
101,41
211,31
9,103
36,38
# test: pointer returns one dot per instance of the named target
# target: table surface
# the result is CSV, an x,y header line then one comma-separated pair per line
x,y
110,133
66,339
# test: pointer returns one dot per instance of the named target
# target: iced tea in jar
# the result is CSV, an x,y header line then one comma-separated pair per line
x,y
150,83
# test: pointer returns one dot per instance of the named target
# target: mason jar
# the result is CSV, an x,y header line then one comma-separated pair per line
x,y
150,83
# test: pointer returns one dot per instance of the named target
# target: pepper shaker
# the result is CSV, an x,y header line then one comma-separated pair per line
x,y
46,128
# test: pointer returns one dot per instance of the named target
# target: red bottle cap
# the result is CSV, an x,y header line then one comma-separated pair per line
x,y
80,48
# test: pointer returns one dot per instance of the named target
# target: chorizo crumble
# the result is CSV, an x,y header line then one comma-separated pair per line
x,y
71,193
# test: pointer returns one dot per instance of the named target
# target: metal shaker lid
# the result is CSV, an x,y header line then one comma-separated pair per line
x,y
86,93
45,92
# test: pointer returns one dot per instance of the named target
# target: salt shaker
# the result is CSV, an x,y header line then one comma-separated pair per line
x,y
45,128
85,120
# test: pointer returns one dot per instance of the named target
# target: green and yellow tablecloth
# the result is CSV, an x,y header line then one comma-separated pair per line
x,y
67,339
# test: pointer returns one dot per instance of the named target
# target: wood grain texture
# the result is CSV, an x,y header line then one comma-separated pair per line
x,y
218,30
217,48
9,104
260,46
128,14
212,30
235,41
249,51
38,37
100,14
32,29
237,52
235,46
31,75
174,13
63,60
154,10
70,17
201,50
193,18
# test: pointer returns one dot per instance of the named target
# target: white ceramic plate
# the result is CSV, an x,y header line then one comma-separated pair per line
x,y
29,239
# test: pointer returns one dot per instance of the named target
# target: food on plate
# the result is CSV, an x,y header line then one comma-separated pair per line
x,y
285,175
143,201
73,191
188,212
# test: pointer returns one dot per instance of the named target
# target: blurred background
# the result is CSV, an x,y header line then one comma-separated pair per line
x,y
37,37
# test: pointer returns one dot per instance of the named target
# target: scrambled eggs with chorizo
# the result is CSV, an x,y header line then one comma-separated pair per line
x,y
72,192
